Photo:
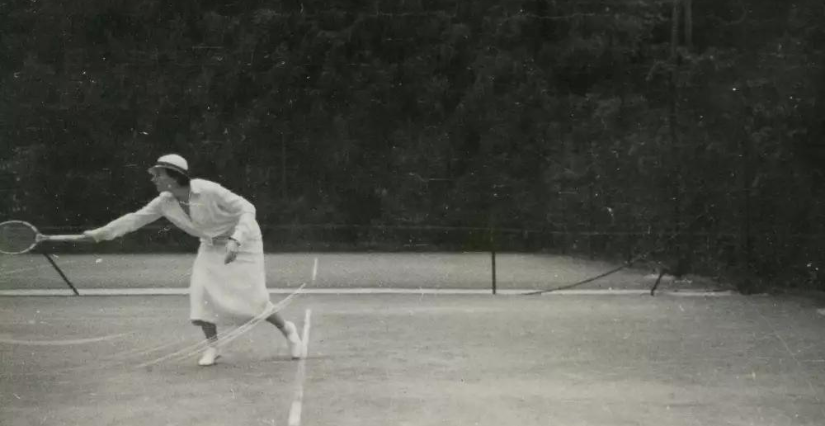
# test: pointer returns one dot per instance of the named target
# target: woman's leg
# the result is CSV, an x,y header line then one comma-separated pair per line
x,y
277,321
296,349
210,331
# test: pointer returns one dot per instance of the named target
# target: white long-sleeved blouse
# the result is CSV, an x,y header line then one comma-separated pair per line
x,y
214,211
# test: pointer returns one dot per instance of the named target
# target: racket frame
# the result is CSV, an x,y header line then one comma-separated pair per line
x,y
39,237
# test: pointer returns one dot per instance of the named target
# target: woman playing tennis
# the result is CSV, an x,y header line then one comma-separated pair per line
x,y
228,279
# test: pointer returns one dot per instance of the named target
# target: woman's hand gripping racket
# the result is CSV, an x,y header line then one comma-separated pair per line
x,y
18,237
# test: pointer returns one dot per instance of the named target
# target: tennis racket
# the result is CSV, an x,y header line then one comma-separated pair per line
x,y
18,237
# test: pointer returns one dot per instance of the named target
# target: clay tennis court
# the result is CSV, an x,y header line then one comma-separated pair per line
x,y
605,354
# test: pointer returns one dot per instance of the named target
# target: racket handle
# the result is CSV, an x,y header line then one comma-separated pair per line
x,y
76,237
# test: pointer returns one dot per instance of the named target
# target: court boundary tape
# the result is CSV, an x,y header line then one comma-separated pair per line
x,y
365,291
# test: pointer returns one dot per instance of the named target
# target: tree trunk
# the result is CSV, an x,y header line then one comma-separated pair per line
x,y
675,162
688,8
674,29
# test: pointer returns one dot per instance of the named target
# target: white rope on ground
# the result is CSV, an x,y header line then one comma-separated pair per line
x,y
227,337
66,342
145,350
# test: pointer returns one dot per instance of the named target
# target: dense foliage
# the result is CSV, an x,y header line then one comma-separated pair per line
x,y
696,125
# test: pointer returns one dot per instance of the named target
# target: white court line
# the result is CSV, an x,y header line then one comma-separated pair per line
x,y
297,403
354,291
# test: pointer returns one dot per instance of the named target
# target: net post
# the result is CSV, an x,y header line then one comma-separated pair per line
x,y
62,275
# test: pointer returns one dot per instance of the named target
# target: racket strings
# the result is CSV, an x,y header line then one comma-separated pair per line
x,y
16,237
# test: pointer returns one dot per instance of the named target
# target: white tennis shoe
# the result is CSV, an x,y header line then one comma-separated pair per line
x,y
296,349
210,355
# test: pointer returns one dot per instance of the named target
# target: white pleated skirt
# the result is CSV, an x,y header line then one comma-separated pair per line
x,y
228,293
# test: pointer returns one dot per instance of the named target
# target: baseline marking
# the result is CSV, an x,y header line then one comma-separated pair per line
x,y
344,291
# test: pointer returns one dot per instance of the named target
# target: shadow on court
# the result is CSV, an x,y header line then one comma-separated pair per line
x,y
424,360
